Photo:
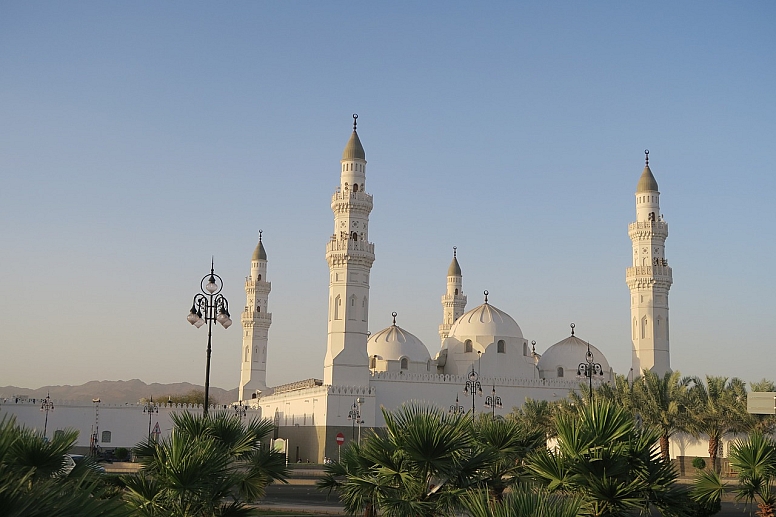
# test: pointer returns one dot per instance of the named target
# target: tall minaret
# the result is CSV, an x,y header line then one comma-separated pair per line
x,y
350,256
649,279
453,301
255,321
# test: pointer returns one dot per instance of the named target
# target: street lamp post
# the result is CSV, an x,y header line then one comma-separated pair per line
x,y
355,416
47,405
150,408
493,401
240,409
589,369
457,409
209,305
473,386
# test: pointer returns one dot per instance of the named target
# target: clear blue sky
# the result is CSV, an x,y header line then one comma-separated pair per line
x,y
137,139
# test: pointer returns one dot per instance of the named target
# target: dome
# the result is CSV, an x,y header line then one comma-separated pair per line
x,y
259,253
393,343
486,320
568,354
354,150
647,182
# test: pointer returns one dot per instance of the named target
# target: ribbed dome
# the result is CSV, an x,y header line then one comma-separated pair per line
x,y
393,343
354,150
259,253
486,320
647,182
454,269
569,353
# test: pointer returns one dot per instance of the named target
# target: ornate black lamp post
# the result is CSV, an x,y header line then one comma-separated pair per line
x,y
457,409
493,401
473,386
207,306
150,408
589,369
355,416
240,409
46,405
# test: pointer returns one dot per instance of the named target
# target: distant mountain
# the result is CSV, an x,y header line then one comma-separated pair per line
x,y
119,391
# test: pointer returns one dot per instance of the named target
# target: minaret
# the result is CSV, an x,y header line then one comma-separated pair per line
x,y
649,279
453,301
255,321
350,256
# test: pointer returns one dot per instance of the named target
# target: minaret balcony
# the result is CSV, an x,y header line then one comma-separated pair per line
x,y
353,200
347,245
658,272
645,229
258,317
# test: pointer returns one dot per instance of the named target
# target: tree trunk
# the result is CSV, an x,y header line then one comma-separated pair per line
x,y
713,448
664,451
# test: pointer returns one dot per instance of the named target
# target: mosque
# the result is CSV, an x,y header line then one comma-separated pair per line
x,y
482,350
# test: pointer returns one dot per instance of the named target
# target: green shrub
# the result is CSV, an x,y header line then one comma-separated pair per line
x,y
121,453
699,463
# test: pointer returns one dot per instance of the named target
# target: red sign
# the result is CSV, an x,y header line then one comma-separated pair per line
x,y
340,438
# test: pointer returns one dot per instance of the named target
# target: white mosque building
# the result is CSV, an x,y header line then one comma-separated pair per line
x,y
363,373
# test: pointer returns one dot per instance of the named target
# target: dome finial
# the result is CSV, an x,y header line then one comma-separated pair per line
x,y
394,317
572,329
486,295
533,347
646,157
260,232
355,119
455,248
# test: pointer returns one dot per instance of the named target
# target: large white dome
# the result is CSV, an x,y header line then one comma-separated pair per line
x,y
393,343
486,320
568,354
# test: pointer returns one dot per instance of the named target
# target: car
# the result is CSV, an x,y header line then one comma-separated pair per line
x,y
71,460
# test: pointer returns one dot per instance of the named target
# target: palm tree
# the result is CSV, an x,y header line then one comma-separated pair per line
x,y
537,414
661,402
507,441
420,465
755,461
610,464
209,465
522,502
33,482
718,407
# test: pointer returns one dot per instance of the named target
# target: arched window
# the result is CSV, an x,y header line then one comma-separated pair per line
x,y
258,308
355,236
525,349
352,310
337,303
105,437
560,371
259,278
247,352
644,327
467,346
405,363
355,187
373,361
364,306
456,292
501,347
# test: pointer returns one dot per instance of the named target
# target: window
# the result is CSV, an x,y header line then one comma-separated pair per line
x,y
467,346
405,363
364,306
355,187
247,351
560,371
501,347
259,278
337,303
456,292
106,437
373,361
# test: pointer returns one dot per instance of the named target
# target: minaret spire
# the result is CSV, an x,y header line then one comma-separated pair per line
x,y
350,256
256,321
453,301
649,279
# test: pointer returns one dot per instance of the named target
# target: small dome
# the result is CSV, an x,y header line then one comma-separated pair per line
x,y
568,354
486,320
393,343
259,253
647,182
354,150
454,269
